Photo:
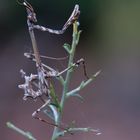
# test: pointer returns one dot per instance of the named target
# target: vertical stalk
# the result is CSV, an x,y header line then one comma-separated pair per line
x,y
67,79
71,57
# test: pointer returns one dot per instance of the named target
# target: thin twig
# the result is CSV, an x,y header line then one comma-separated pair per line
x,y
28,135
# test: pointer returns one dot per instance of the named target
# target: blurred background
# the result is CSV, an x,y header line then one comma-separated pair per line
x,y
109,41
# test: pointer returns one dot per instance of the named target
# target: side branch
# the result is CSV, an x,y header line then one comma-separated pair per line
x,y
28,135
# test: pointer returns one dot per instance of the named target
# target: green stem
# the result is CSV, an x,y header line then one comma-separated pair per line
x,y
71,57
67,79
28,135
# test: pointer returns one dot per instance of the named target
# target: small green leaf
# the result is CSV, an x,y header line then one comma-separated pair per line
x,y
78,96
82,85
97,73
56,105
55,112
49,113
67,47
61,79
78,36
55,100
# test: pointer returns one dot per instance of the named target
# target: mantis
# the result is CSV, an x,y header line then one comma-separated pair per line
x,y
38,85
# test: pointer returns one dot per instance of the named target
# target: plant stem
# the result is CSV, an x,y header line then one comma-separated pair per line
x,y
28,135
67,79
71,57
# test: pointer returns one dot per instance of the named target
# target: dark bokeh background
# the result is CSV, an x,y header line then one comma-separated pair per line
x,y
109,41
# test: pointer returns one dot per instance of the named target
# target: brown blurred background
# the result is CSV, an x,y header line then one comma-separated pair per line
x,y
109,41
